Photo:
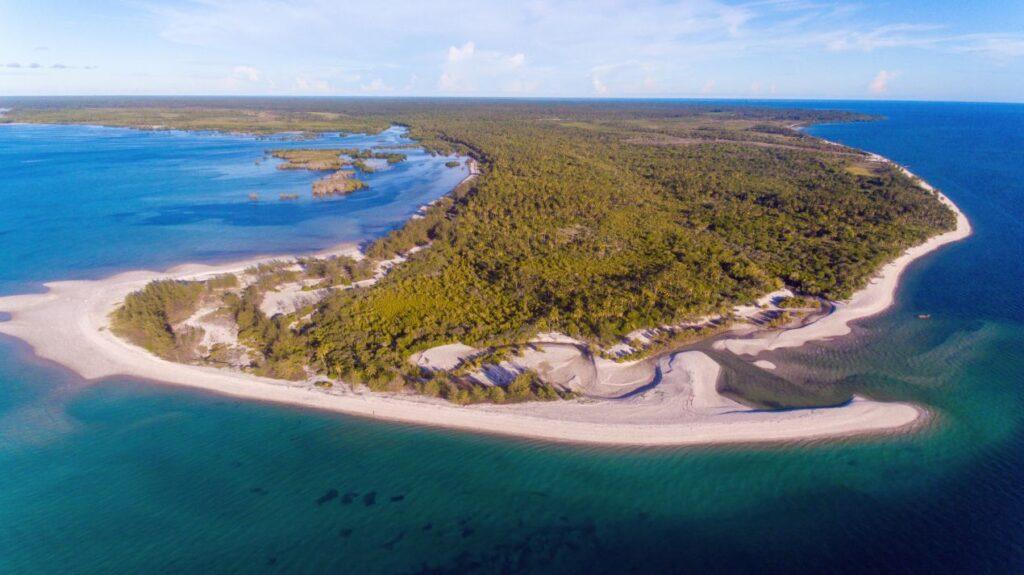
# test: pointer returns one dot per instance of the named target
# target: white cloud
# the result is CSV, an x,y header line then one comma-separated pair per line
x,y
891,36
306,85
999,47
708,87
465,52
414,81
447,83
540,45
38,66
467,70
551,47
246,73
375,86
631,78
313,22
880,84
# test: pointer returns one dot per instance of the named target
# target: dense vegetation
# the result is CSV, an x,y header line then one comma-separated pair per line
x,y
280,352
590,218
338,270
597,227
193,114
329,159
359,158
148,316
317,160
339,183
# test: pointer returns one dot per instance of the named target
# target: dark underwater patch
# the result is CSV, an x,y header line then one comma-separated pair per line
x,y
331,494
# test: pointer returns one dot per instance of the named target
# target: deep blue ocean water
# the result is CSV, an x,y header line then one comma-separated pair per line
x,y
128,476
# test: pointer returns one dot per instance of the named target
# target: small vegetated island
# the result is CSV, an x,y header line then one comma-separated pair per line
x,y
611,231
341,181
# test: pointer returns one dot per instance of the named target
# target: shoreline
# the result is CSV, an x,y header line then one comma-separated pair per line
x,y
68,325
871,300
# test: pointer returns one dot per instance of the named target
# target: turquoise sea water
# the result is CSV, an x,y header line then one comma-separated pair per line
x,y
128,476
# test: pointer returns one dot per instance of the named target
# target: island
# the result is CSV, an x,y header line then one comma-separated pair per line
x,y
556,293
341,181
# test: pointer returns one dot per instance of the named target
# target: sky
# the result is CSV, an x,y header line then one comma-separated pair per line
x,y
895,50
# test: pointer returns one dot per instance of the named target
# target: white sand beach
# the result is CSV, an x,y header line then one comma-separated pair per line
x,y
679,405
69,325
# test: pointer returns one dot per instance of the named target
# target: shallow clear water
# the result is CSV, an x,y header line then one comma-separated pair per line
x,y
130,476
82,201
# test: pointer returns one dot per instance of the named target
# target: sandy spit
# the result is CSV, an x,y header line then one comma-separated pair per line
x,y
69,325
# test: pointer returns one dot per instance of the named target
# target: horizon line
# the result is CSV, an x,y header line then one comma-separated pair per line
x,y
513,98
